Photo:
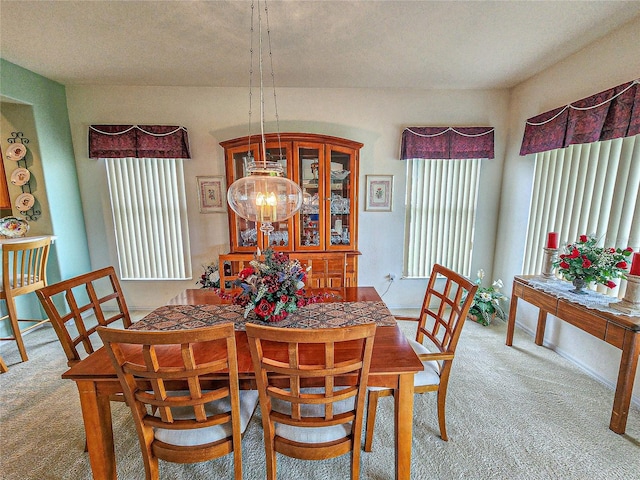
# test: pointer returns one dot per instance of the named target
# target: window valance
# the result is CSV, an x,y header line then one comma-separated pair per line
x,y
613,113
138,141
447,142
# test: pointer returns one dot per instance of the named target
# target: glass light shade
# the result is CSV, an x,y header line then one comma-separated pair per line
x,y
265,195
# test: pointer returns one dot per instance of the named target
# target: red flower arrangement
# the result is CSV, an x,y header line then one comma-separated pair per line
x,y
584,259
272,288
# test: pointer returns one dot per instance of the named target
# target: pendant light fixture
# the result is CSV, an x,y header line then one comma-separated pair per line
x,y
265,195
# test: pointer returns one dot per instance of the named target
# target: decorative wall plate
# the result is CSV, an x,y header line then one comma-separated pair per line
x,y
20,176
16,152
13,227
25,201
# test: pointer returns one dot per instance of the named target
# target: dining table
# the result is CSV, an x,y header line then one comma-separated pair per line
x,y
393,362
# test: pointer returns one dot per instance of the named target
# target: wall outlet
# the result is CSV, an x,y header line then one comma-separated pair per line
x,y
391,277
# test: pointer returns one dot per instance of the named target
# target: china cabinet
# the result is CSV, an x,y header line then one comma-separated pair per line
x,y
326,168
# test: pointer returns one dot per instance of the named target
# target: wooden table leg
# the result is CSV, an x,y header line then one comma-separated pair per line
x,y
96,414
624,387
511,323
404,426
542,324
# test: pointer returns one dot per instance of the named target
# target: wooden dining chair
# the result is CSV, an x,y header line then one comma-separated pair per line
x,y
201,422
24,270
77,306
3,366
306,413
446,303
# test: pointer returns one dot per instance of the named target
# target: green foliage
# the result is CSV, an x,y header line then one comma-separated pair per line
x,y
487,302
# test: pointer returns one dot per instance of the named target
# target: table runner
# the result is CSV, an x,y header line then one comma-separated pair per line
x,y
316,315
593,300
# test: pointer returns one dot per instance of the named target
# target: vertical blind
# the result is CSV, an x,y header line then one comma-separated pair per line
x,y
441,211
150,218
585,189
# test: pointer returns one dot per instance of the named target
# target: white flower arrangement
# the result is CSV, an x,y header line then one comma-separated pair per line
x,y
487,302
211,276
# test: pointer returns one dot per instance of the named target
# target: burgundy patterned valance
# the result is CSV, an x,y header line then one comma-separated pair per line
x,y
613,113
138,141
447,142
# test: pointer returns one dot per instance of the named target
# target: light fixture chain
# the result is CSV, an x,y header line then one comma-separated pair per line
x,y
250,80
265,195
273,79
262,138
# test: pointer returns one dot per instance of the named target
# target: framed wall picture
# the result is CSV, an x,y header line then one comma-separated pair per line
x,y
379,193
212,194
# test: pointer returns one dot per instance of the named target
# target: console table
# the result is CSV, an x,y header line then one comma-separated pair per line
x,y
617,329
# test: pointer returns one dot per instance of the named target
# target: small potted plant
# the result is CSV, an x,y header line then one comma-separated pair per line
x,y
487,302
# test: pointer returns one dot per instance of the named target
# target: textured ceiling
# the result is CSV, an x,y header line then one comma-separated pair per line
x,y
361,44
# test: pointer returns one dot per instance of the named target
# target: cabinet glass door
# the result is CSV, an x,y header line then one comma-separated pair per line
x,y
340,192
280,237
309,174
247,234
244,231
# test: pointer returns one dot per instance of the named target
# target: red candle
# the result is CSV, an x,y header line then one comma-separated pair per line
x,y
635,264
552,240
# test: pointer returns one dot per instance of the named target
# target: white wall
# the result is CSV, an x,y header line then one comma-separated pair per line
x,y
611,61
374,117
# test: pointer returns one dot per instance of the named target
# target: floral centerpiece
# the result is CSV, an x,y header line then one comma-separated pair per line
x,y
211,276
583,262
487,302
271,288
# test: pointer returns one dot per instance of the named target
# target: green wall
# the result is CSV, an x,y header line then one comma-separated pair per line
x,y
48,102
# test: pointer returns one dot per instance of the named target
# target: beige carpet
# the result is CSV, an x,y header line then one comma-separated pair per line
x,y
513,413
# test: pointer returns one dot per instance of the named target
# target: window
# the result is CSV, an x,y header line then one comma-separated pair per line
x,y
443,169
585,189
150,218
146,186
441,211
